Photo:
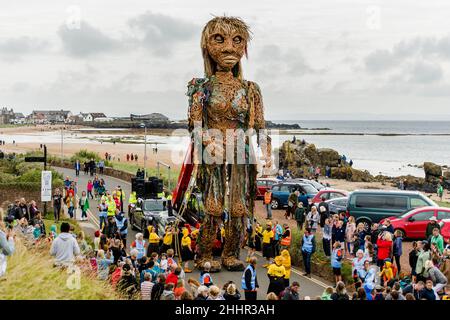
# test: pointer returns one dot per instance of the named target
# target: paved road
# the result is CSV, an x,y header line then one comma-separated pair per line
x,y
310,287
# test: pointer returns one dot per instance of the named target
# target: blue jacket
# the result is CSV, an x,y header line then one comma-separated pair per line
x,y
336,258
397,249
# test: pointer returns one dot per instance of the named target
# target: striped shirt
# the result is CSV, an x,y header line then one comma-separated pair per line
x,y
146,290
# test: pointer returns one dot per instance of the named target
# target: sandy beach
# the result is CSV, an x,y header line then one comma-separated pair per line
x,y
117,150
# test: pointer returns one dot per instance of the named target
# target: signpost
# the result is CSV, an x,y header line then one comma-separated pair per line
x,y
46,186
46,179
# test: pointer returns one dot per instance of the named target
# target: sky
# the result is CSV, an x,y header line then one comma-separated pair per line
x,y
321,59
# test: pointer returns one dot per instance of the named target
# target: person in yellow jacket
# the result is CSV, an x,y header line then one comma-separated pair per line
x,y
132,201
268,251
153,241
167,240
111,206
186,250
276,273
287,266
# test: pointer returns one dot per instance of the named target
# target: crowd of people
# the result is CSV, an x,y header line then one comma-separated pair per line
x,y
156,267
375,252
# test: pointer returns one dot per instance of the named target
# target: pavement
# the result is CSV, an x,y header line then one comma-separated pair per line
x,y
308,286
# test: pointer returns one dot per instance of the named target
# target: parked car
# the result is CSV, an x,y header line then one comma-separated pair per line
x,y
314,183
151,212
281,192
369,206
445,230
336,205
263,184
413,223
328,194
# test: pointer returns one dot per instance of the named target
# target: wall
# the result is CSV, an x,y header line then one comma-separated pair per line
x,y
8,194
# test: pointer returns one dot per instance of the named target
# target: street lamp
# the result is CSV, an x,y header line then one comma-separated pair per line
x,y
62,143
143,125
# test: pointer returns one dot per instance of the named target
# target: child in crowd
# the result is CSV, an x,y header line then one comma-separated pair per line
x,y
163,265
83,203
336,261
70,202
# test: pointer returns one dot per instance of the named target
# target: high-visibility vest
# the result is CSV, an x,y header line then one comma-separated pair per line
x,y
286,241
267,197
140,247
120,224
253,281
132,198
111,208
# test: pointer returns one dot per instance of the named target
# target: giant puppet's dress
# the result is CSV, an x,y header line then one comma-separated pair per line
x,y
224,102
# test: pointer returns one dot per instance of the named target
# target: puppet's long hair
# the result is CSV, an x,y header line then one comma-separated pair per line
x,y
226,25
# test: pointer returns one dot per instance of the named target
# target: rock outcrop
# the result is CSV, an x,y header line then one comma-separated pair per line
x,y
432,171
298,157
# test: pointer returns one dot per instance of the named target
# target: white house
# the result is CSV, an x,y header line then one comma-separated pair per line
x,y
89,117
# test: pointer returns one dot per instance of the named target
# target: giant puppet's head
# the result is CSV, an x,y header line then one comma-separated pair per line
x,y
224,43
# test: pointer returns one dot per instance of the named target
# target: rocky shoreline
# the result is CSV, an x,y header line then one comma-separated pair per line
x,y
297,156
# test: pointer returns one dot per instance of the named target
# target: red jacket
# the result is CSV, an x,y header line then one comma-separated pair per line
x,y
384,249
172,278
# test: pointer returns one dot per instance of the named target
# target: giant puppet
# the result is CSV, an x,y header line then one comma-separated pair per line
x,y
223,106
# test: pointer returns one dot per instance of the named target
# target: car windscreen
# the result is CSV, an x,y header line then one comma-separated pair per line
x,y
317,185
153,206
407,212
309,189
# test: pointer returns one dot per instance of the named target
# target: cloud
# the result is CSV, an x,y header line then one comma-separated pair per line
x,y
380,60
13,49
86,41
426,72
159,33
277,62
430,48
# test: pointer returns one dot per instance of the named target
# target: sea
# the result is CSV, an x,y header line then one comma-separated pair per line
x,y
391,148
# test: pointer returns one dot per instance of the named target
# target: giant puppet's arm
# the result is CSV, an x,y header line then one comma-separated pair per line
x,y
195,116
259,123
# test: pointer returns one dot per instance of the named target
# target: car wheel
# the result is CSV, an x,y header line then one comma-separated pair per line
x,y
275,204
366,224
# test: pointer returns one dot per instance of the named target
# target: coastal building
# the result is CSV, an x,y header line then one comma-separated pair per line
x,y
49,116
92,116
6,116
19,118
153,118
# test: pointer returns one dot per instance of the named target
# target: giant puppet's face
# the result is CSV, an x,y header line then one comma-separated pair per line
x,y
226,48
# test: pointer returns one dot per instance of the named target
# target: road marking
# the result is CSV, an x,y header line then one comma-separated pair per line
x,y
94,219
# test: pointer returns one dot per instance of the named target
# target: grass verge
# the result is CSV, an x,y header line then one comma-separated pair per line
x,y
31,276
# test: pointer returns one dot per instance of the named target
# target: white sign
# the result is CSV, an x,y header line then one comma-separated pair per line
x,y
46,186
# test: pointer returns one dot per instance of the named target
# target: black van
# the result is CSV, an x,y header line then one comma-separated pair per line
x,y
371,206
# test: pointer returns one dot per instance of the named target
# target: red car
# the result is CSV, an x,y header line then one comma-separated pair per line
x,y
328,194
413,223
263,184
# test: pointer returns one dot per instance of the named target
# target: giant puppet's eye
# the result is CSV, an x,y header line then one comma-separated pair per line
x,y
237,39
218,38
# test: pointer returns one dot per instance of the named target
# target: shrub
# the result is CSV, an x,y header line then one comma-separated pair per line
x,y
6,177
85,155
